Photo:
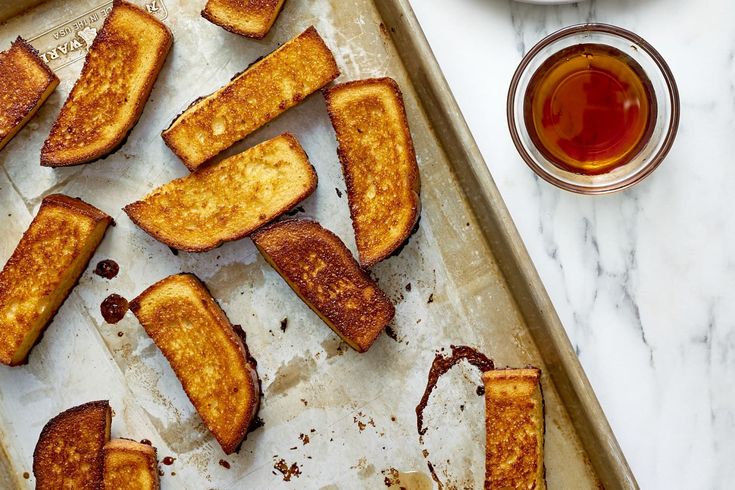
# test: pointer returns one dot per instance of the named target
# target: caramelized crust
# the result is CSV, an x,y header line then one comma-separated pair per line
x,y
378,162
110,94
229,200
130,465
205,352
45,266
26,84
249,18
515,429
258,95
321,270
68,454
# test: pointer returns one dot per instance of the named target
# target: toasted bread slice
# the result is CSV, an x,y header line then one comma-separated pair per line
x,y
26,84
256,96
321,270
130,465
208,356
249,18
110,94
378,162
514,408
69,450
45,266
229,200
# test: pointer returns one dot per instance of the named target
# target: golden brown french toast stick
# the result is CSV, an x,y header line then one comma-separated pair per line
x,y
321,270
130,465
514,409
108,98
206,353
378,162
46,264
26,84
249,18
256,96
228,200
68,454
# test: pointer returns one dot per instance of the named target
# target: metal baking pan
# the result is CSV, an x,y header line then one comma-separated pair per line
x,y
340,419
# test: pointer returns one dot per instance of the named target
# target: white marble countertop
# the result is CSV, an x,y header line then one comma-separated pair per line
x,y
643,280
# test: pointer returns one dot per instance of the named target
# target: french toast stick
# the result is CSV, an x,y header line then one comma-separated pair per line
x,y
321,270
26,84
206,353
68,454
378,162
514,409
249,18
108,98
129,465
256,96
229,200
45,266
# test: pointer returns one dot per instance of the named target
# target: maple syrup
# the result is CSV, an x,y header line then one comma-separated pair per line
x,y
441,365
590,109
107,268
113,308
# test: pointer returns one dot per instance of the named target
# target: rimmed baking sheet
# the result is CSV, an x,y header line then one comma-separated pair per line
x,y
456,282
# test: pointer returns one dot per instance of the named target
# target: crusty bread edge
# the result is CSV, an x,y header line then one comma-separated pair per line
x,y
165,134
228,446
367,261
140,104
486,376
76,204
131,446
132,208
364,347
51,425
28,48
213,17
83,208
52,82
124,444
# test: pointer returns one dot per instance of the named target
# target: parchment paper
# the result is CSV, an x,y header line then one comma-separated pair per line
x,y
356,409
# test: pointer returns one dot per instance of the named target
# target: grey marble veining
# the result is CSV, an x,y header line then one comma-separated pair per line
x,y
643,279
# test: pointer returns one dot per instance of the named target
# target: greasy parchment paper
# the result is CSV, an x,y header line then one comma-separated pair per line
x,y
356,409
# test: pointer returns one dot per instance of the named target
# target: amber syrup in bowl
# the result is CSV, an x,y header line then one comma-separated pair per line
x,y
589,108
593,108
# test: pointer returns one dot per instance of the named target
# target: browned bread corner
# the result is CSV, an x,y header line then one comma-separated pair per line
x,y
129,465
321,270
514,409
249,18
68,454
26,84
229,200
45,266
206,353
258,95
378,162
108,98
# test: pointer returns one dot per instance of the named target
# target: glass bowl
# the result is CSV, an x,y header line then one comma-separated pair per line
x,y
665,93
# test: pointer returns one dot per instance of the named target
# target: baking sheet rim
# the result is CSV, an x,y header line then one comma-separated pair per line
x,y
524,282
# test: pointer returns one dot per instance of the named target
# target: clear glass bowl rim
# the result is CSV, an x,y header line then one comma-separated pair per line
x,y
668,79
